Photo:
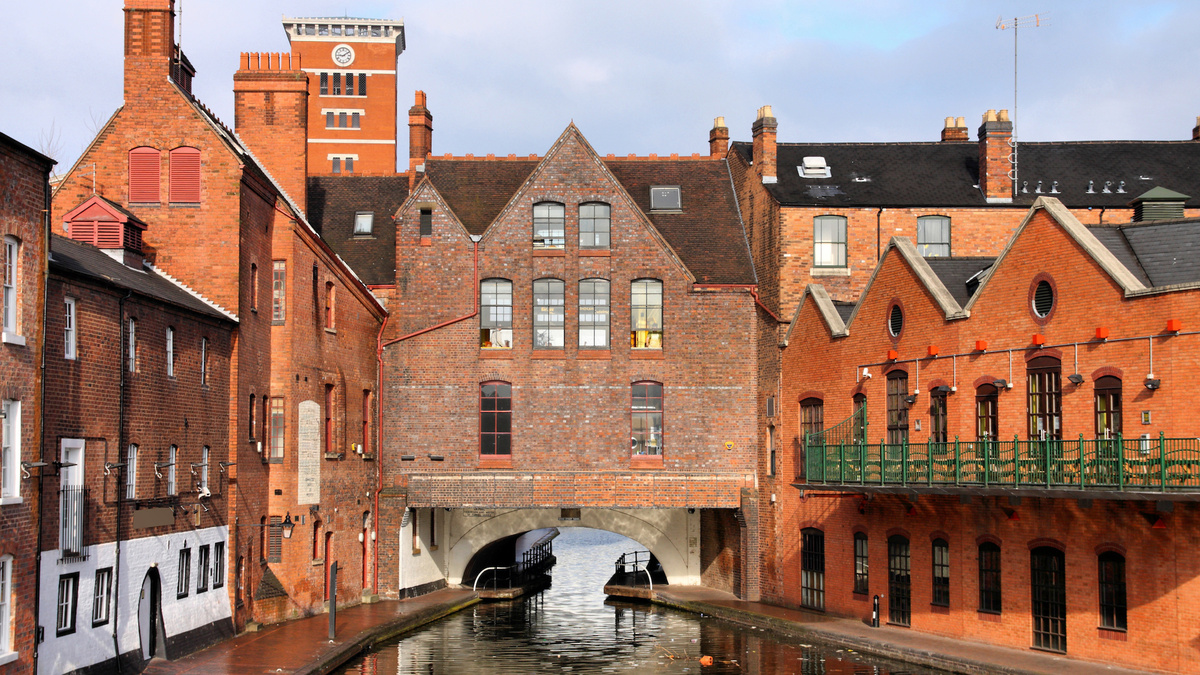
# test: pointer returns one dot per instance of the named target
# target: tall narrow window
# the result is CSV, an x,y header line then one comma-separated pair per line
x,y
145,170
989,578
279,291
185,176
549,225
425,224
204,361
771,451
253,287
218,574
68,600
495,314
69,344
812,416
1045,398
1112,591
316,540
593,314
829,241
203,571
102,596
329,417
277,429
859,425
941,573
897,407
324,84
594,225
495,418
933,236
6,564
647,416
899,581
337,84
10,450
1108,407
131,457
9,277
987,399
416,531
812,568
172,457
549,313
251,417
362,82
938,432
184,579
862,579
132,346
337,162
1048,590
170,352
646,323
366,423
204,468
330,306
275,539
349,84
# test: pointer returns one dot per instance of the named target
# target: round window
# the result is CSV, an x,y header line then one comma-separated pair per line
x,y
896,321
1043,299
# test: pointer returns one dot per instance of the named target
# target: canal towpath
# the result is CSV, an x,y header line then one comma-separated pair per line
x,y
302,646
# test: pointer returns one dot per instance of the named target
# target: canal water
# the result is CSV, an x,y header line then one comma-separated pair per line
x,y
572,628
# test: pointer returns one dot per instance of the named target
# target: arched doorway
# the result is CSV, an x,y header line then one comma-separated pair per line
x,y
150,620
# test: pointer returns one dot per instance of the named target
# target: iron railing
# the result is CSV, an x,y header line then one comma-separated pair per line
x,y
1157,464
72,502
635,564
534,562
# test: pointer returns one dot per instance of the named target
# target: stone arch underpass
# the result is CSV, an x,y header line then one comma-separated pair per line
x,y
672,535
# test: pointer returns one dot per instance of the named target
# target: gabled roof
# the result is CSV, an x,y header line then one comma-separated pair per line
x,y
903,247
1159,253
101,208
333,202
830,312
73,257
478,189
947,173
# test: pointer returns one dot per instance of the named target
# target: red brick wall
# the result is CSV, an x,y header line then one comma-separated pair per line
x,y
270,97
720,550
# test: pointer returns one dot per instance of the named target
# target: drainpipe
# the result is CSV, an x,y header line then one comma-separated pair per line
x,y
120,486
878,232
37,558
380,345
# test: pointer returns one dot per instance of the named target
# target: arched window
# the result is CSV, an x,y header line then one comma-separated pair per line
x,y
549,225
899,580
185,176
1112,590
145,169
812,568
549,314
1045,398
495,314
986,422
594,225
646,322
647,418
6,565
1048,588
1108,407
897,407
989,578
860,418
862,579
812,416
593,314
941,573
495,419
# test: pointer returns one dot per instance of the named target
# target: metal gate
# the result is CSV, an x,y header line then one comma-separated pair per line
x,y
899,581
1049,588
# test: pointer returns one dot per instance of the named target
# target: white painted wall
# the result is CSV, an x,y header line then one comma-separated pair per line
x,y
527,540
88,645
428,565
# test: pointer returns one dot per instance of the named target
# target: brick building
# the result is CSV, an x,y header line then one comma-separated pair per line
x,y
24,176
135,529
1003,452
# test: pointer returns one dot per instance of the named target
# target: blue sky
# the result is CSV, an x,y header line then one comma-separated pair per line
x,y
650,76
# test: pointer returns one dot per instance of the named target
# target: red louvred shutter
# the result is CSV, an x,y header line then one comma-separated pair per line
x,y
185,176
144,171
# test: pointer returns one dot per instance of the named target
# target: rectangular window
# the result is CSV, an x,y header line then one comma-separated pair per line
x,y
938,424
771,451
337,84
324,84
1045,399
182,584
933,236
989,578
986,424
899,581
812,416
203,361
218,574
549,225
131,455
253,408
330,306
277,429
495,419
366,423
941,573
812,568
495,314
329,120
341,117
6,563
349,165
1112,591
364,222
10,450
9,277
170,352
337,162
68,598
897,407
426,223
362,84
594,221
354,123
829,241
279,291
275,540
549,314
647,418
172,457
416,532
204,468
329,445
646,322
861,564
131,356
593,314
253,287
69,329
102,596
349,84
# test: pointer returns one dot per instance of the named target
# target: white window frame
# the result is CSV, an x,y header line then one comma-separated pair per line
x,y
69,332
364,223
172,457
218,557
834,245
10,453
67,604
204,468
102,597
6,651
203,569
170,352
204,362
184,580
924,243
131,454
9,281
132,355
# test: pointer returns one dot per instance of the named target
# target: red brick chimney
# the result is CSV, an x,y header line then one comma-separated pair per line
x,y
995,157
718,138
1196,130
270,99
149,45
764,129
955,130
420,134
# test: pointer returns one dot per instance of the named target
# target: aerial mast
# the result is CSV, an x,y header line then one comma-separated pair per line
x,y
1016,23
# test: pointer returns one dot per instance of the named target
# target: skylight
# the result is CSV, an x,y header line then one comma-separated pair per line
x,y
814,167
665,198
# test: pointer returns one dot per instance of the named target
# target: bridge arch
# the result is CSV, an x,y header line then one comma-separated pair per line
x,y
672,535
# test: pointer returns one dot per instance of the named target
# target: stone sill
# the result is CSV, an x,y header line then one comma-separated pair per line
x,y
5,501
649,354
8,657
13,339
831,271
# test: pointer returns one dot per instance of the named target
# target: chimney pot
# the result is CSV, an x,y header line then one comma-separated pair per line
x,y
961,122
1003,115
949,122
764,150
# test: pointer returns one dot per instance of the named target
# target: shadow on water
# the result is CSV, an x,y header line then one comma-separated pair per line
x,y
572,627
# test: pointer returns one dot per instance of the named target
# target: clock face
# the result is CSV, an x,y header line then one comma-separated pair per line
x,y
343,55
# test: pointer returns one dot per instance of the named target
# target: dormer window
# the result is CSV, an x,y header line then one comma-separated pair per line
x,y
814,167
665,198
363,222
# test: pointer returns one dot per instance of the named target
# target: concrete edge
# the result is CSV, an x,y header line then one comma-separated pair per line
x,y
370,637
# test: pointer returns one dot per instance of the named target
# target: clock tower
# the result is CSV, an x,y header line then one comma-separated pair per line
x,y
351,69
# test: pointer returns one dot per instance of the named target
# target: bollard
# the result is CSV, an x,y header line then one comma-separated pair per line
x,y
874,613
333,568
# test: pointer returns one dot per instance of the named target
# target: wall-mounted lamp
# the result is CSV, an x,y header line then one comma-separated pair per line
x,y
1000,384
225,465
910,399
158,465
1076,378
1153,384
108,466
941,389
196,464
26,466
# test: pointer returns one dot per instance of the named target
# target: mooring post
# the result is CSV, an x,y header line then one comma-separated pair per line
x,y
333,569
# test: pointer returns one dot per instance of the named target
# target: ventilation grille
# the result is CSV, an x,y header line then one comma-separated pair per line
x,y
1143,210
896,321
1043,298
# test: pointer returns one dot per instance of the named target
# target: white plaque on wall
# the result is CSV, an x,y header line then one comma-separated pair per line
x,y
308,457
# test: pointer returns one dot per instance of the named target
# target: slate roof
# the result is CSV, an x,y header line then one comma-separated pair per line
x,y
844,309
1159,253
476,190
333,202
77,258
947,173
955,271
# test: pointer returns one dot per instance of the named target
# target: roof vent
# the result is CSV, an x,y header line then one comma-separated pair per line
x,y
665,198
1158,204
814,167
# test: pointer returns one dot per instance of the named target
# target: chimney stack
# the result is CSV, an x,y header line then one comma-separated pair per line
x,y
149,46
270,102
1196,130
718,138
955,130
764,130
995,157
420,135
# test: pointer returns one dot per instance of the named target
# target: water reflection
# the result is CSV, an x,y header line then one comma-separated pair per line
x,y
571,628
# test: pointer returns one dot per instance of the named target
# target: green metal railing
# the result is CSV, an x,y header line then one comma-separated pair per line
x,y
1162,464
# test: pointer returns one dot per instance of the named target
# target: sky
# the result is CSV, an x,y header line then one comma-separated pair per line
x,y
649,76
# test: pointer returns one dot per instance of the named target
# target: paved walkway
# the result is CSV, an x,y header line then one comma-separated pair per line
x,y
303,646
944,653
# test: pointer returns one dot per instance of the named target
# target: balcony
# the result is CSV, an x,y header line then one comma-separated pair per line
x,y
72,511
1147,468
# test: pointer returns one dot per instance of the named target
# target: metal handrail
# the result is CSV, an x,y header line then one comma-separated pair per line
x,y
488,569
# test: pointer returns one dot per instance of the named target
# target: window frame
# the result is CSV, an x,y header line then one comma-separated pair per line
x,y
172,458
330,427
183,572
65,621
897,407
588,322
499,414
862,564
1107,391
425,222
549,303
203,362
131,338
10,452
170,351
828,258
924,244
279,291
70,330
218,580
646,438
330,306
939,419
642,293
1044,398
991,588
254,287
987,413
204,453
940,558
1111,583
274,539
771,451
364,223
203,568
899,580
494,290
1048,593
812,416
812,569
277,439
131,456
365,448
588,226
546,216
6,604
10,268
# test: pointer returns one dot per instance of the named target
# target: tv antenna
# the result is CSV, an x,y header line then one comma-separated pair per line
x,y
1016,24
